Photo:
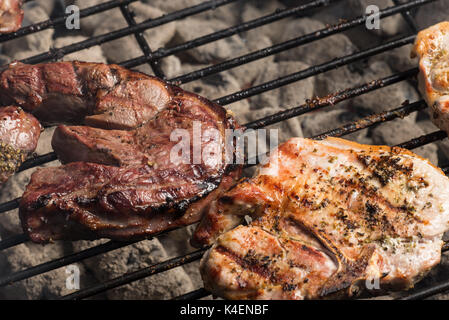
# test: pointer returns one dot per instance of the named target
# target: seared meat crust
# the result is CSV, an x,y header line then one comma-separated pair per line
x,y
95,94
131,187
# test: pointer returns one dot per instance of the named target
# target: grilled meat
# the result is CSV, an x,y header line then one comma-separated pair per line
x,y
95,94
135,188
150,143
11,15
327,216
19,133
432,48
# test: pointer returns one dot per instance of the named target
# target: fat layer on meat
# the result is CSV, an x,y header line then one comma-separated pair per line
x,y
327,216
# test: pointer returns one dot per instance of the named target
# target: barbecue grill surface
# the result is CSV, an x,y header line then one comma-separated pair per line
x,y
152,59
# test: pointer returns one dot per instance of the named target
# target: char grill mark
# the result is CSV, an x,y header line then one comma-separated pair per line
x,y
259,262
11,15
19,134
250,261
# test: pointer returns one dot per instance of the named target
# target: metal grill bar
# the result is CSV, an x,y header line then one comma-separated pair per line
x,y
137,275
408,18
75,257
370,121
54,264
313,71
194,295
61,20
10,205
150,57
143,44
37,161
225,33
330,100
423,140
426,293
13,241
97,40
302,40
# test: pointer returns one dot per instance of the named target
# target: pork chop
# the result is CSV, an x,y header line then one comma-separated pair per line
x,y
328,218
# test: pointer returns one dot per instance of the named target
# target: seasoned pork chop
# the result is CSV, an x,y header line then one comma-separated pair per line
x,y
326,216
432,48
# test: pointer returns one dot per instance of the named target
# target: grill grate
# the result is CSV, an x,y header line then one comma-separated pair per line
x,y
153,57
143,44
61,20
264,53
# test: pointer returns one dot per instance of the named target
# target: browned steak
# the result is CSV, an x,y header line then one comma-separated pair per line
x,y
11,15
95,94
134,189
19,133
149,143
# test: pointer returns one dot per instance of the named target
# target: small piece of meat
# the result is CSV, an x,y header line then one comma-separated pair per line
x,y
330,218
432,48
11,15
136,187
19,134
95,94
